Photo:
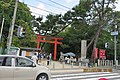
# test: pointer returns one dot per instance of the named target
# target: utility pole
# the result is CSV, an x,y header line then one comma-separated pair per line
x,y
115,46
115,33
115,50
12,28
2,29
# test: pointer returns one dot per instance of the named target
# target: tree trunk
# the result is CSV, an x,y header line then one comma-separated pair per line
x,y
95,42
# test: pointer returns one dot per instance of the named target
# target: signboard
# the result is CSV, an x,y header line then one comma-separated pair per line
x,y
102,54
115,33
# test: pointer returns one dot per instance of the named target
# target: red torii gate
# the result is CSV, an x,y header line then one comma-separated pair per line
x,y
52,40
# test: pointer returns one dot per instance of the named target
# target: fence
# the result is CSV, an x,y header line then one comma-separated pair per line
x,y
105,62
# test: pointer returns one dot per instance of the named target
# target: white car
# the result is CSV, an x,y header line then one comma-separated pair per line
x,y
14,67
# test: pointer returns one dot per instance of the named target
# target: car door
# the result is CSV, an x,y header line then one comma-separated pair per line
x,y
6,68
23,69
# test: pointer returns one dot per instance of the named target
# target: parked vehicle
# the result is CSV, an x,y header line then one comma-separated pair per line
x,y
13,67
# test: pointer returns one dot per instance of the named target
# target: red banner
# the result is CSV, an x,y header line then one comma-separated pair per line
x,y
96,53
102,54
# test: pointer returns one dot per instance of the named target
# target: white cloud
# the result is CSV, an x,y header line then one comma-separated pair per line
x,y
42,6
118,6
21,0
59,11
39,11
70,1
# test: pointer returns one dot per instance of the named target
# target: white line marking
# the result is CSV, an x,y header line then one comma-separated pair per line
x,y
105,77
80,74
113,75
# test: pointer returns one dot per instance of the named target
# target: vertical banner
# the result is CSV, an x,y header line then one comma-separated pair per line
x,y
102,54
96,53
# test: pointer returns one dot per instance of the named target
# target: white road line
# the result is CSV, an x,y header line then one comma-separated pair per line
x,y
81,74
105,77
111,75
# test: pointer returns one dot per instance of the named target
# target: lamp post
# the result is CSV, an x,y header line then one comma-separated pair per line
x,y
115,33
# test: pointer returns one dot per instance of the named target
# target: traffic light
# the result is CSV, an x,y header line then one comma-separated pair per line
x,y
106,45
21,31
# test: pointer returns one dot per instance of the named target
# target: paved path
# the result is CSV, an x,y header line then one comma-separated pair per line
x,y
59,65
86,76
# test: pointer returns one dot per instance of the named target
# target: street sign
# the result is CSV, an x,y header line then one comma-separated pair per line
x,y
115,33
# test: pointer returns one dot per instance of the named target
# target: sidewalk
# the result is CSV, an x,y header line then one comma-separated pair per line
x,y
61,71
58,67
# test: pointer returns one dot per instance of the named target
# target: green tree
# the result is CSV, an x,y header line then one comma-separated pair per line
x,y
100,10
91,20
23,19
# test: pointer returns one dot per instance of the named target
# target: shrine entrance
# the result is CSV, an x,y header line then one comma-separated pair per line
x,y
49,39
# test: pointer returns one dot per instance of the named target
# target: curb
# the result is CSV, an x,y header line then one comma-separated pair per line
x,y
53,71
66,70
97,70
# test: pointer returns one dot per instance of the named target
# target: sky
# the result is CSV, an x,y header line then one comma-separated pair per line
x,y
49,6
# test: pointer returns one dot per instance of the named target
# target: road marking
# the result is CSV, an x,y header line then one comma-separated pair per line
x,y
86,76
81,74
105,77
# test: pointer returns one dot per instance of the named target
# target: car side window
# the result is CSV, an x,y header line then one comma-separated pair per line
x,y
1,60
22,62
8,61
5,61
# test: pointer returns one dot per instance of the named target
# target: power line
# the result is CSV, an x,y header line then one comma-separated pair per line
x,y
32,12
38,14
50,5
28,12
59,4
41,9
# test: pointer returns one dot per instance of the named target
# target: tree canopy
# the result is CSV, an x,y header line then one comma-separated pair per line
x,y
23,19
91,20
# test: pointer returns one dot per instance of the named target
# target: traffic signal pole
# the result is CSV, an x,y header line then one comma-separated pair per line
x,y
12,28
115,47
115,50
115,33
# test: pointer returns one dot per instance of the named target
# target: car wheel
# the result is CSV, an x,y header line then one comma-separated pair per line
x,y
42,77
